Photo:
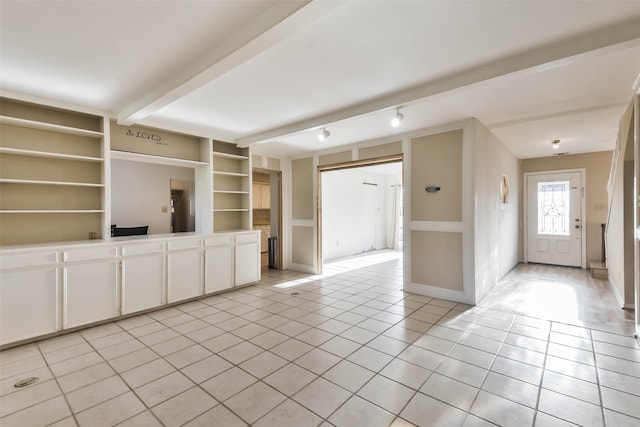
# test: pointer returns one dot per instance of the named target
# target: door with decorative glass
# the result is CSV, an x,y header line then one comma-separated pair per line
x,y
554,218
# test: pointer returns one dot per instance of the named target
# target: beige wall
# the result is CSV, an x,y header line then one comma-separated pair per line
x,y
437,160
436,259
380,150
302,245
302,188
437,255
138,139
330,159
597,167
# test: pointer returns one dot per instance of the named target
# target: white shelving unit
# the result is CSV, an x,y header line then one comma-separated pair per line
x,y
231,187
52,169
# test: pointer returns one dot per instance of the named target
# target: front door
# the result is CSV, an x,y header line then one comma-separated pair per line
x,y
554,218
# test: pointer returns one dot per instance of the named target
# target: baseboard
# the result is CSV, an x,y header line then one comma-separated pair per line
x,y
301,268
629,306
436,292
617,294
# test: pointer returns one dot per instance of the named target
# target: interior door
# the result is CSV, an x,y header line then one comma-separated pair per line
x,y
554,218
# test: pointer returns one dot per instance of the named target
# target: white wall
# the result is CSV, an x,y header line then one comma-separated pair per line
x,y
343,231
139,192
496,223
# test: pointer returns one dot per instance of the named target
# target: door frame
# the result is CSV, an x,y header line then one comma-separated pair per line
x,y
278,207
395,158
583,208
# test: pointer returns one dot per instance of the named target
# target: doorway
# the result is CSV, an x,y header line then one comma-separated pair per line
x,y
267,216
180,205
554,218
359,209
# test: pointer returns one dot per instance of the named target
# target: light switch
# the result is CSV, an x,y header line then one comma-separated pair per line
x,y
165,209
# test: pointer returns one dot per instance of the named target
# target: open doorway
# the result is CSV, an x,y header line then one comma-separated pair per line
x,y
182,219
267,216
360,212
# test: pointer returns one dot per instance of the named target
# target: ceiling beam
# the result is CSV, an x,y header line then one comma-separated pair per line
x,y
618,36
257,35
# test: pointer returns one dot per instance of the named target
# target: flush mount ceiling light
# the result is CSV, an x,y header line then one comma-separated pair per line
x,y
555,144
397,119
324,134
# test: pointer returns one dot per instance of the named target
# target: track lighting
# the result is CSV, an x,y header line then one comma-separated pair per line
x,y
397,119
324,134
555,144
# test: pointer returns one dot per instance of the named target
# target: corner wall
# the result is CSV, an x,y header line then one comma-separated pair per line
x,y
496,226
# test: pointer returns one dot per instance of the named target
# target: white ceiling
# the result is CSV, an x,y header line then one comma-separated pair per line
x,y
270,74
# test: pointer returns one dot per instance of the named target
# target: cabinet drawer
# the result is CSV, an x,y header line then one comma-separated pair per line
x,y
89,254
12,261
219,240
142,249
248,238
175,245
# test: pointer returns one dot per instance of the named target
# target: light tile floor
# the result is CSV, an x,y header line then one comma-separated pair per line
x,y
349,348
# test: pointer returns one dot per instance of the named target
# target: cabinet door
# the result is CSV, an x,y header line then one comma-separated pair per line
x,y
257,196
28,304
90,292
266,196
142,283
247,263
185,275
219,268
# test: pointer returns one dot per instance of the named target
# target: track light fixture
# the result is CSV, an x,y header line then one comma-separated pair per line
x,y
555,144
397,119
324,134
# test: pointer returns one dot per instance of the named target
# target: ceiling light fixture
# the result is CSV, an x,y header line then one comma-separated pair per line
x,y
555,144
397,119
324,134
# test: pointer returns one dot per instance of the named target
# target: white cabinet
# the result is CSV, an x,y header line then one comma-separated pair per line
x,y
219,264
247,257
143,277
185,270
28,303
89,286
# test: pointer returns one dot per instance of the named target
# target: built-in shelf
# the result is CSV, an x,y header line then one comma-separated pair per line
x,y
232,210
159,160
41,182
50,155
49,211
230,156
230,173
14,121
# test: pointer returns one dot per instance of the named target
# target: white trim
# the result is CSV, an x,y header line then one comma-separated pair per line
x,y
406,210
441,226
583,207
469,210
303,268
159,160
616,293
438,292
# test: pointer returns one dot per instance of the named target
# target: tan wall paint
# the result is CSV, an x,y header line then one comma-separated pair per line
x,y
436,259
437,160
56,116
273,164
302,188
302,245
597,167
380,150
48,228
330,159
162,143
